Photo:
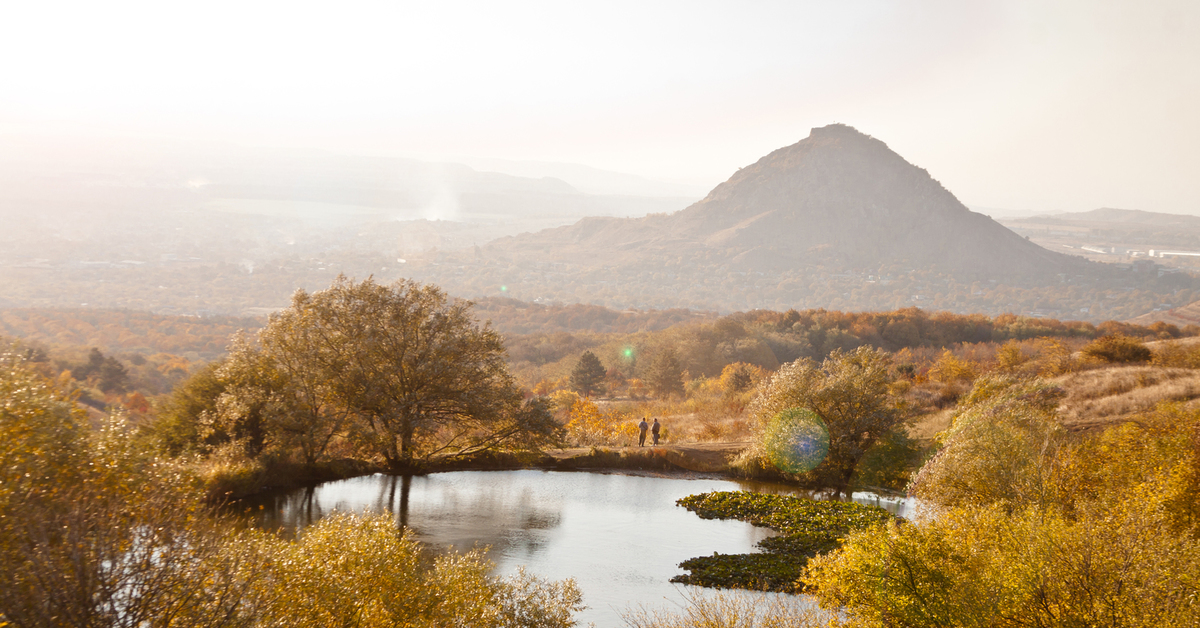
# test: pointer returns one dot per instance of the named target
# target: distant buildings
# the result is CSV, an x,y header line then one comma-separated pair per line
x,y
1160,253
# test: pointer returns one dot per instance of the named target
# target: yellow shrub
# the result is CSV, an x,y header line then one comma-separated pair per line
x,y
950,368
588,425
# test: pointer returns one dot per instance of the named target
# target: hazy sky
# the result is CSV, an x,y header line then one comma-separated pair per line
x,y
1036,105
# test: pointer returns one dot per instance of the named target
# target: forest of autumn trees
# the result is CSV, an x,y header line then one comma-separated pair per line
x,y
768,339
157,351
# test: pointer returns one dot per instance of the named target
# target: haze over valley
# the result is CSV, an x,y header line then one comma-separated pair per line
x,y
825,314
837,221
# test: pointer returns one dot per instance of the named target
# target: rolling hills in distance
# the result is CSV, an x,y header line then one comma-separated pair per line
x,y
836,221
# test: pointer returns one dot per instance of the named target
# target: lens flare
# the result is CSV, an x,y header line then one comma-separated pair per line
x,y
797,440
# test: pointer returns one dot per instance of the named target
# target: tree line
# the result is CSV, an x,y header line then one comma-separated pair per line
x,y
769,339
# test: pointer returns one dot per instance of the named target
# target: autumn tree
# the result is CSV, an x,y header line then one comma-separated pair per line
x,y
587,378
740,377
664,375
849,392
92,531
1003,448
411,369
349,570
179,424
285,385
1033,528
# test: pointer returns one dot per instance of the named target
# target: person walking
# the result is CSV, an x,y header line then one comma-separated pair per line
x,y
642,427
654,430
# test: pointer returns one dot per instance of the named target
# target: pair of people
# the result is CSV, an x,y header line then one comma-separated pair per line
x,y
654,430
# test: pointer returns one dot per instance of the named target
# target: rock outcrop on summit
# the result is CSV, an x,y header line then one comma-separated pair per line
x,y
838,199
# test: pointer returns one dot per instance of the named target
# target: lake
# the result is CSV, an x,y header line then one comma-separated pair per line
x,y
620,536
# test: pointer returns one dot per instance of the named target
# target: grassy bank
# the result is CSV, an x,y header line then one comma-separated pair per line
x,y
227,478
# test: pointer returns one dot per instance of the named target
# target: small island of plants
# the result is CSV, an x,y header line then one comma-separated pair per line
x,y
807,527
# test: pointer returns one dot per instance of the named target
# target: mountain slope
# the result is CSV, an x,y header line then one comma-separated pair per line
x,y
838,198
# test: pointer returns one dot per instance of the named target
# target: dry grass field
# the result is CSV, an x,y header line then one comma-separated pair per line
x,y
1097,397
927,426
1100,397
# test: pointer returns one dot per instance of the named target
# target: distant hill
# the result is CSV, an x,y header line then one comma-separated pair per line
x,y
1135,216
1117,236
837,220
146,200
513,317
1184,315
587,179
120,331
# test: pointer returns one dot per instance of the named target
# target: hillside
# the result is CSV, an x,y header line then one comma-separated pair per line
x,y
1184,315
123,331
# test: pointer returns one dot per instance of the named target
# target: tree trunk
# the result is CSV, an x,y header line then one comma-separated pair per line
x,y
843,486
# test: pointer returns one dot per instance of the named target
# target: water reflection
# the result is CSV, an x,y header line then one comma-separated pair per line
x,y
620,536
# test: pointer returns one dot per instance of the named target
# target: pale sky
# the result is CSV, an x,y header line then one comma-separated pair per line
x,y
1024,105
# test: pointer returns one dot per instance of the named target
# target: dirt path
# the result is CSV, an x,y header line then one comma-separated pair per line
x,y
701,457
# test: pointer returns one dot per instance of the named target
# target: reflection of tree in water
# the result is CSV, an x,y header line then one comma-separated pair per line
x,y
487,515
284,513
510,517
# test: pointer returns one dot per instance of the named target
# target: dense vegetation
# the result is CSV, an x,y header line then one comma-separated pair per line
x,y
125,331
849,393
95,531
1033,526
1029,474
768,339
806,527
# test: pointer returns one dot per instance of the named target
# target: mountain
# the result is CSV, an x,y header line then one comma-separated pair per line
x,y
108,200
838,198
837,220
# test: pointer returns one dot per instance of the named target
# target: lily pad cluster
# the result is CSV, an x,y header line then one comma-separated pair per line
x,y
807,527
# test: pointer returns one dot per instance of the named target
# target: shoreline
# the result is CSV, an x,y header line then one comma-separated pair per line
x,y
711,460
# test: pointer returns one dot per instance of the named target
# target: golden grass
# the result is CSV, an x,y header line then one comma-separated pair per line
x,y
927,426
1189,342
1103,396
706,417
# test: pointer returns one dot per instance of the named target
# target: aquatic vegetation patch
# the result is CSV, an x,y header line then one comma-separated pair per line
x,y
807,527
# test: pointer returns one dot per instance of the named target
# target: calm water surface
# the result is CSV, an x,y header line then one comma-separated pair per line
x,y
620,536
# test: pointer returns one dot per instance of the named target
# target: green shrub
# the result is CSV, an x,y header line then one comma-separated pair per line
x,y
890,463
1118,349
